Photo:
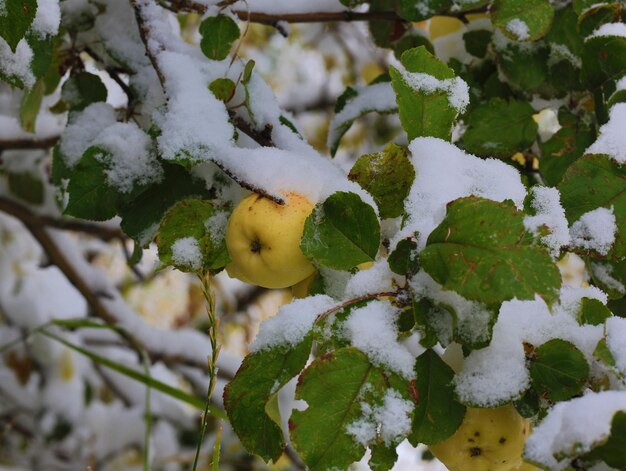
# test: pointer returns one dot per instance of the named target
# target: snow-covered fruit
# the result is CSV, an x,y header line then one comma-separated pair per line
x,y
263,241
487,440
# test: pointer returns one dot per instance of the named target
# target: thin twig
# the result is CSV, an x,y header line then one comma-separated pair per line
x,y
263,137
29,143
309,17
28,217
57,257
347,303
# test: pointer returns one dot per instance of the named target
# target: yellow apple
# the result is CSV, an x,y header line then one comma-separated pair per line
x,y
487,440
263,241
440,26
302,289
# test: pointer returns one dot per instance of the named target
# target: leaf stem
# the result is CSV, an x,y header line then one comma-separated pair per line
x,y
214,325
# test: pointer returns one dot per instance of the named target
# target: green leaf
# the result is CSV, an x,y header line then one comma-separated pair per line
x,y
30,106
528,406
404,258
362,104
342,232
258,379
411,41
424,110
595,181
558,370
15,20
564,147
320,433
612,450
593,312
26,186
383,457
597,15
145,211
139,376
42,61
603,353
437,414
609,276
83,89
427,323
604,58
500,128
90,195
482,251
525,69
387,176
564,30
524,20
413,10
223,89
192,218
218,34
477,42
385,33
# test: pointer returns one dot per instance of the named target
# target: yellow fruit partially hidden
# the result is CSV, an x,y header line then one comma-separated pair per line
x,y
440,26
302,289
263,241
487,440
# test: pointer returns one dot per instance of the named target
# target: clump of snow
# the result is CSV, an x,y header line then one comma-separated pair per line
x,y
549,215
498,373
82,129
131,160
609,29
292,323
195,122
373,330
444,173
604,273
456,88
17,64
216,225
186,252
378,97
595,230
472,318
518,28
392,420
571,298
364,428
559,52
47,18
612,139
616,341
394,417
117,29
375,279
573,427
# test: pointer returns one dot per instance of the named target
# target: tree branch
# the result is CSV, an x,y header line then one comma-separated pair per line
x,y
309,17
263,137
28,217
96,292
29,143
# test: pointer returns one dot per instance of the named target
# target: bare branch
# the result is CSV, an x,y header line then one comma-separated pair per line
x,y
28,217
91,289
28,143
